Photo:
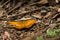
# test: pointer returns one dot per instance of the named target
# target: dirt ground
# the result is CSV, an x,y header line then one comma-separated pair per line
x,y
47,16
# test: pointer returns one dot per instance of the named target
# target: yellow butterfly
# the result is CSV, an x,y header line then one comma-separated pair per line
x,y
21,25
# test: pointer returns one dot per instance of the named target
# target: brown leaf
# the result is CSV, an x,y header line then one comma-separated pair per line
x,y
48,14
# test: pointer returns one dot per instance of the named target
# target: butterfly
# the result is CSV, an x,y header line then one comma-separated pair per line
x,y
23,24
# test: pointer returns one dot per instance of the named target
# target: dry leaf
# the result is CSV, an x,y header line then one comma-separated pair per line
x,y
58,19
58,10
48,15
21,25
43,2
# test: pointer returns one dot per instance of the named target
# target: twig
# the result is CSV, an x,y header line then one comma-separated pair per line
x,y
18,5
24,13
55,16
5,3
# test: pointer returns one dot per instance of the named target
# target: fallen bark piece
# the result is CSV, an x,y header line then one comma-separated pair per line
x,y
21,25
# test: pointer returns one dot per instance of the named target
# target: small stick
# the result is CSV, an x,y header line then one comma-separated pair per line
x,y
19,4
5,3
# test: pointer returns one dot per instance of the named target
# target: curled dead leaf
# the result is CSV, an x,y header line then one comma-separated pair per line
x,y
21,25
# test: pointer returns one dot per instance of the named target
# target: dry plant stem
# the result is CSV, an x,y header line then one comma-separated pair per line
x,y
27,12
5,3
40,2
55,16
18,5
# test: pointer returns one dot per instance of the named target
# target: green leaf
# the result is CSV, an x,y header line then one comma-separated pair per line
x,y
51,33
57,30
40,38
59,27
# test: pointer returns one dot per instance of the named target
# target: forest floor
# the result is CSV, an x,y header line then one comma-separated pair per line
x,y
46,28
